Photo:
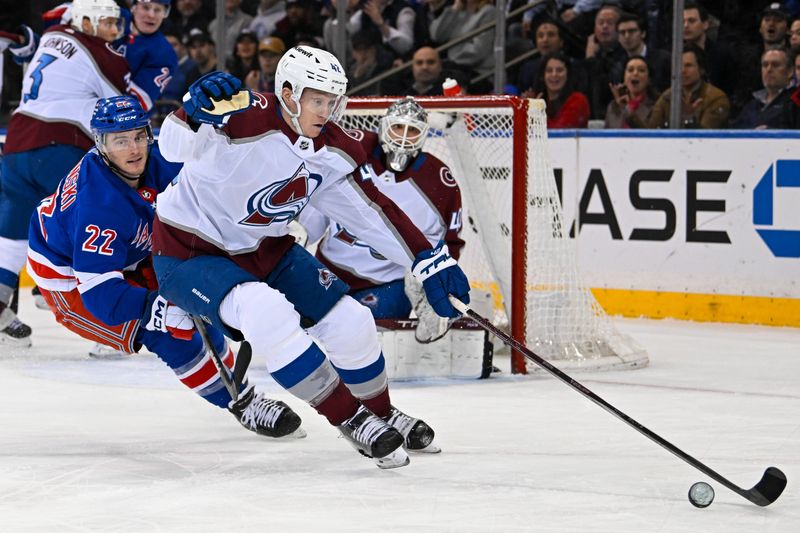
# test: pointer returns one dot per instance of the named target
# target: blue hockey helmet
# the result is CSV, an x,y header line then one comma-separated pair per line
x,y
116,114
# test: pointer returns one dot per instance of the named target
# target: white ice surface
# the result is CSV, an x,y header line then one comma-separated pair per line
x,y
113,446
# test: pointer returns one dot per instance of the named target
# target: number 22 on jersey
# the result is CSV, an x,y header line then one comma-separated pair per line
x,y
90,244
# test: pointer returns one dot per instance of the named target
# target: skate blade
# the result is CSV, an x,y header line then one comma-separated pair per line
x,y
11,342
430,448
396,459
298,433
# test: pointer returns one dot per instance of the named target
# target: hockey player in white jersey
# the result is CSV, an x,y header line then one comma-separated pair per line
x,y
49,132
221,247
424,188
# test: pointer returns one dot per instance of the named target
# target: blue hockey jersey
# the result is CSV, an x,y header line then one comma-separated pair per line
x,y
153,62
94,228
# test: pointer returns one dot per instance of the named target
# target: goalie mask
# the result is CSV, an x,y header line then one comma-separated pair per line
x,y
305,67
402,133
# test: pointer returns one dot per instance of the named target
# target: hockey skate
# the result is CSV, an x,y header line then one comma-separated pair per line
x,y
101,351
271,418
374,438
417,434
16,334
38,299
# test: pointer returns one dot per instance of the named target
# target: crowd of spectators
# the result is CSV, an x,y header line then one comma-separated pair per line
x,y
593,61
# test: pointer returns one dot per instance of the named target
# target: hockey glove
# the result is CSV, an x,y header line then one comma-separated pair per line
x,y
160,315
441,276
22,46
213,98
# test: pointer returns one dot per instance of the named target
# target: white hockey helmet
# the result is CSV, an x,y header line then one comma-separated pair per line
x,y
94,10
402,132
304,67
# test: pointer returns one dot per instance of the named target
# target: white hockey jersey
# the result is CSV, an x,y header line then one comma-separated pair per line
x,y
425,191
241,185
68,74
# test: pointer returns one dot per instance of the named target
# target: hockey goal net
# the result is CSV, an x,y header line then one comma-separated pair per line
x,y
517,247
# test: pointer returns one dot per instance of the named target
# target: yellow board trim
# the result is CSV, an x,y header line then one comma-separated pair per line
x,y
700,307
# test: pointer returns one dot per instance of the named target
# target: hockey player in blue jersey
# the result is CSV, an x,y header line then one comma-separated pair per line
x,y
89,252
149,54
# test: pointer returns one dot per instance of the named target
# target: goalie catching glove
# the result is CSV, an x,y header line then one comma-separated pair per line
x,y
160,315
441,276
214,97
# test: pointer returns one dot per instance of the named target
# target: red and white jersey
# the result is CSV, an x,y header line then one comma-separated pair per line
x,y
425,191
242,184
68,74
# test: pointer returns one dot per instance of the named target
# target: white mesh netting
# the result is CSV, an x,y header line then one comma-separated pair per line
x,y
562,321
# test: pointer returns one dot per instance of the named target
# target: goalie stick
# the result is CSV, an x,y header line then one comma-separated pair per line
x,y
232,381
766,491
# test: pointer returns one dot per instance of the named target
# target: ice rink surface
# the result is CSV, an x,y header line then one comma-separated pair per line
x,y
121,446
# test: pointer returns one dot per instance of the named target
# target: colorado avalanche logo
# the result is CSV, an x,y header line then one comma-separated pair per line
x,y
281,201
447,179
326,277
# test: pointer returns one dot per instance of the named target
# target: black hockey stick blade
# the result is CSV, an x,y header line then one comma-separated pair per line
x,y
764,493
769,488
242,363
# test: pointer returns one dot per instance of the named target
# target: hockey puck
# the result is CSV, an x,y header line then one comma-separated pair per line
x,y
701,494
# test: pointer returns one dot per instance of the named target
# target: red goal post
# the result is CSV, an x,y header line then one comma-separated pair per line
x,y
496,148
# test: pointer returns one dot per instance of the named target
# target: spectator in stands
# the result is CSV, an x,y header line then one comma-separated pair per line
x,y
369,59
702,104
270,50
245,55
773,29
769,107
300,19
547,37
426,69
722,64
795,67
632,37
576,15
189,14
473,56
603,51
202,51
774,26
236,20
268,14
566,107
794,35
392,19
186,73
634,99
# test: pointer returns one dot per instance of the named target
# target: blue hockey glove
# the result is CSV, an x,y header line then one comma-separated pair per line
x,y
441,276
160,315
23,45
213,98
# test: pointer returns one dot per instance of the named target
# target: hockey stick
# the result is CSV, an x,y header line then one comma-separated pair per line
x,y
231,380
766,491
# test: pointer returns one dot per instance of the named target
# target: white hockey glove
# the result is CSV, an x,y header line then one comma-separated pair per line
x,y
430,326
160,315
